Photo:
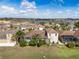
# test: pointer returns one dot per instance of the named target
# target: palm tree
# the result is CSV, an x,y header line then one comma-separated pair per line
x,y
19,35
37,41
36,38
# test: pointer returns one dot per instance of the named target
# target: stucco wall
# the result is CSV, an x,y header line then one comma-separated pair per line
x,y
53,37
7,41
8,44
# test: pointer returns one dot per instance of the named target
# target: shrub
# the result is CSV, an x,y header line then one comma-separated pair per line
x,y
22,43
36,43
77,44
70,45
32,43
42,42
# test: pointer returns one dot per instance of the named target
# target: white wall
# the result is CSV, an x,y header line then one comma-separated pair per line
x,y
8,44
7,41
23,28
9,37
53,37
40,28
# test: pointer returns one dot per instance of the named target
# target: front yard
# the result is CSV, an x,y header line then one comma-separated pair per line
x,y
43,52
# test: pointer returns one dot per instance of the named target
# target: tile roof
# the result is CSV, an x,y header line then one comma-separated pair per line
x,y
8,32
50,30
40,32
74,33
77,33
68,33
34,32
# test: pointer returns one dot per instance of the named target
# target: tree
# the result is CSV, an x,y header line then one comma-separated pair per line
x,y
36,41
42,23
50,22
76,24
12,27
22,43
30,29
47,27
19,37
55,27
64,26
70,45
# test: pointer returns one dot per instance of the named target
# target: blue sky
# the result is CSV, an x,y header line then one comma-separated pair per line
x,y
39,8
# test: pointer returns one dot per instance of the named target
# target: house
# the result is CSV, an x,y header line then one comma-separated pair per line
x,y
4,26
40,27
5,38
24,26
52,36
77,34
49,35
30,34
4,21
27,26
69,36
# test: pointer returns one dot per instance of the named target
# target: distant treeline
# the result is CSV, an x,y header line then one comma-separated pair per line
x,y
39,19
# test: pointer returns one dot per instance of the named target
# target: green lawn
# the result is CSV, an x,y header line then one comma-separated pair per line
x,y
39,53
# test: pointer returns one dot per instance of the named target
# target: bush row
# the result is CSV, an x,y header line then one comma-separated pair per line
x,y
24,43
72,44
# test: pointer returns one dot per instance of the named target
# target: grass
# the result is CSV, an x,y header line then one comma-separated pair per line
x,y
43,52
68,53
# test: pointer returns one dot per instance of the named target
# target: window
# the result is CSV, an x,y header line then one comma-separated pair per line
x,y
3,36
55,34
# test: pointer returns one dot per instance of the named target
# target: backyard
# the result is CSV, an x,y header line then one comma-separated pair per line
x,y
44,52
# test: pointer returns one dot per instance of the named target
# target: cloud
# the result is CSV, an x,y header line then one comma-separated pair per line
x,y
78,9
22,12
8,10
69,11
77,12
62,1
28,5
59,12
58,2
47,12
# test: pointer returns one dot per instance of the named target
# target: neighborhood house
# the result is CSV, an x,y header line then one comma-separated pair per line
x,y
5,38
51,36
69,36
48,35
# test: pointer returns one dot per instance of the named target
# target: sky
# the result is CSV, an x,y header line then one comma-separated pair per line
x,y
39,8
